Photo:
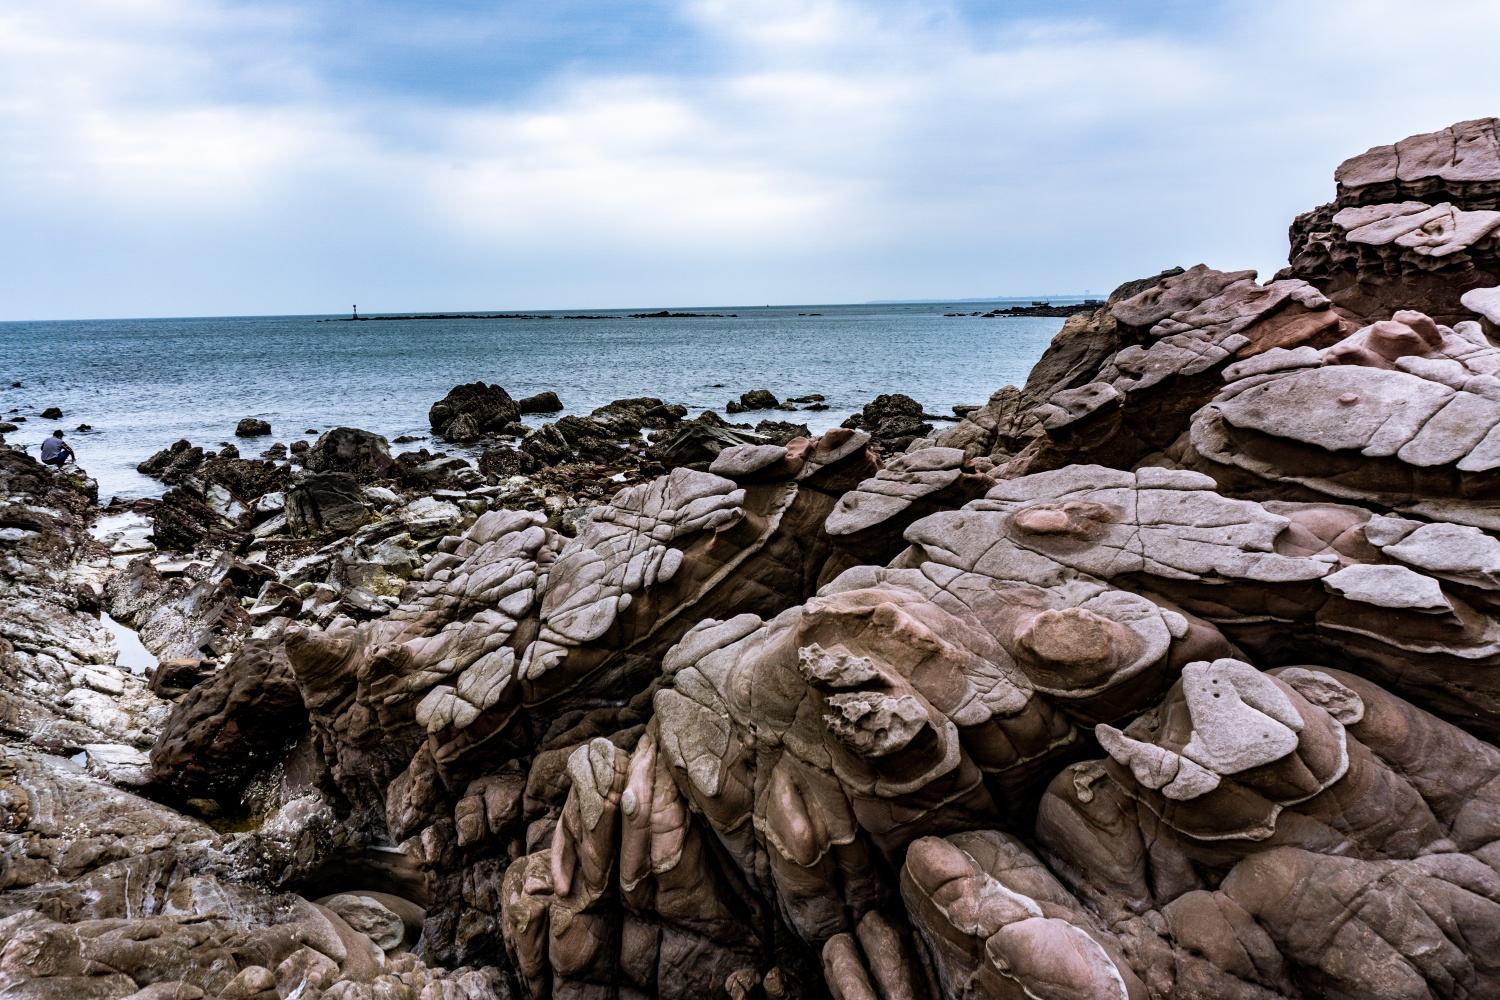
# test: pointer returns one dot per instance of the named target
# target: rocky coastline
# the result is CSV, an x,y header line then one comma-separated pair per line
x,y
1035,309
1174,672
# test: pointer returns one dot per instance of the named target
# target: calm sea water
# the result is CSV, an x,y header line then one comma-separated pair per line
x,y
142,384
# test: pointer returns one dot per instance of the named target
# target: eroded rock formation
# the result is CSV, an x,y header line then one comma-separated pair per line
x,y
1171,674
1415,226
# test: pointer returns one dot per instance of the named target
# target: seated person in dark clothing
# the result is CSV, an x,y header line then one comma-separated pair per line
x,y
55,451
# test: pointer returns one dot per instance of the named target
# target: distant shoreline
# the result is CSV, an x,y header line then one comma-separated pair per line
x,y
1036,309
662,314
596,313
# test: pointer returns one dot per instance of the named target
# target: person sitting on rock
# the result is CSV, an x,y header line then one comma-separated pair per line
x,y
55,451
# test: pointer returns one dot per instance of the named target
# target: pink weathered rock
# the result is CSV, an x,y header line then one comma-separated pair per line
x,y
1175,673
1463,159
1172,341
1485,302
1415,225
1326,813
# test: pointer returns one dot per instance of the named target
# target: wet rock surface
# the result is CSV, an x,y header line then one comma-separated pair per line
x,y
1172,673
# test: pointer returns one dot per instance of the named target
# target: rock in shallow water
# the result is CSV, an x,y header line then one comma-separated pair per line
x,y
542,402
469,411
252,427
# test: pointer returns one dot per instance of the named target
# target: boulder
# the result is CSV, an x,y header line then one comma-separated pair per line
x,y
628,417
429,517
781,431
542,402
424,471
499,462
238,483
696,444
176,677
755,399
472,410
574,439
362,454
252,427
174,463
370,917
184,520
229,727
894,420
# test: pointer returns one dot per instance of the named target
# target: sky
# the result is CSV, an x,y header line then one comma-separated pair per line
x,y
219,157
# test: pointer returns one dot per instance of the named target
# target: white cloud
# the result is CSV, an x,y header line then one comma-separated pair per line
x,y
821,149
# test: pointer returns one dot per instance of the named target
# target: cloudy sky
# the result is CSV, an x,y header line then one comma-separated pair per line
x,y
211,157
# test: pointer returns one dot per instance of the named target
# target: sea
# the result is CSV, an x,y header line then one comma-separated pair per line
x,y
141,384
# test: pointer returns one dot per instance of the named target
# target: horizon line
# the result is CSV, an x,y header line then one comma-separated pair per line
x,y
499,313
